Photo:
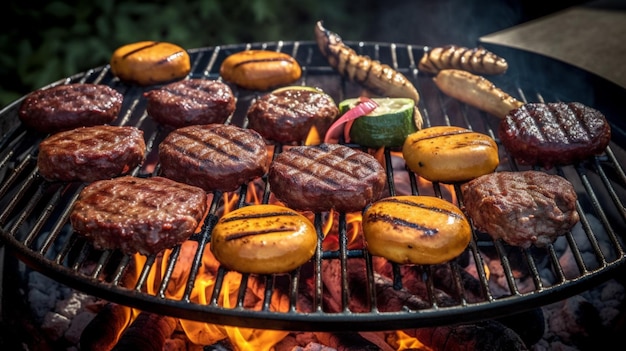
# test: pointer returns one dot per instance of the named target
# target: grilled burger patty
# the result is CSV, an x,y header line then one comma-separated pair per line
x,y
69,106
145,215
557,133
213,156
522,208
191,101
287,116
326,176
91,153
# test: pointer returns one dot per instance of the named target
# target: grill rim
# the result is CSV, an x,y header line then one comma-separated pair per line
x,y
318,320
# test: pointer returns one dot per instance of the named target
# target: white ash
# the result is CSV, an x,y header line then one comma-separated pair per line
x,y
61,311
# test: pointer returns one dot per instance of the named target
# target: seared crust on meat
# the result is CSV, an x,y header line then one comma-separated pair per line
x,y
557,133
213,156
69,106
288,115
145,215
91,153
191,101
522,208
326,176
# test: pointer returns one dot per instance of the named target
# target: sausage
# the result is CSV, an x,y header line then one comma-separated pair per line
x,y
476,60
476,91
375,76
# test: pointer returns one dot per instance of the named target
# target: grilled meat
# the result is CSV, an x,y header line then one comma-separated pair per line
x,y
324,177
521,208
70,106
476,60
91,153
379,78
145,215
286,116
191,101
213,156
476,91
557,133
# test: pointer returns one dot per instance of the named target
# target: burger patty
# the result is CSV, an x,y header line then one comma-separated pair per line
x,y
213,156
287,116
558,133
191,101
69,106
91,153
521,208
145,215
324,177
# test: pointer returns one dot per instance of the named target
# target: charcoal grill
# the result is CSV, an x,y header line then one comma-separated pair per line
x,y
34,213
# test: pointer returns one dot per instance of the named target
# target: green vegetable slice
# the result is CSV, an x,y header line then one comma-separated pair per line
x,y
387,125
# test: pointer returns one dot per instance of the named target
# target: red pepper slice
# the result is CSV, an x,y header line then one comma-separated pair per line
x,y
343,124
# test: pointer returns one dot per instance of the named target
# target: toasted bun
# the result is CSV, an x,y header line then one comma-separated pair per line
x,y
415,229
150,62
260,69
450,154
263,239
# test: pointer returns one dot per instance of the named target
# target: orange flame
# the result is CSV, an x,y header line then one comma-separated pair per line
x,y
202,333
313,138
406,342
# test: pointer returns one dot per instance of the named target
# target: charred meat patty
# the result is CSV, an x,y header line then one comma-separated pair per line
x,y
91,153
69,106
521,208
549,134
191,101
287,115
326,176
213,156
131,214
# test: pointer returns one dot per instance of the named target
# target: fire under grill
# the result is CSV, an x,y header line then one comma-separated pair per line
x,y
34,217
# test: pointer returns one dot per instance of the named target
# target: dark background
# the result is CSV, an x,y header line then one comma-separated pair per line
x,y
44,41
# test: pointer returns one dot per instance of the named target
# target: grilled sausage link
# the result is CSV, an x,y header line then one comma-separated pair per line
x,y
263,239
150,62
260,69
415,229
476,91
476,60
379,78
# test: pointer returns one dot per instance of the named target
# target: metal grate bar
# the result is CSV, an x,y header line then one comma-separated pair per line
x,y
34,221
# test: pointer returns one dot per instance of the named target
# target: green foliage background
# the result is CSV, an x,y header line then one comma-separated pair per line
x,y
44,41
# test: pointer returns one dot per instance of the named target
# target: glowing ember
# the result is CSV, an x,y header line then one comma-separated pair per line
x,y
407,342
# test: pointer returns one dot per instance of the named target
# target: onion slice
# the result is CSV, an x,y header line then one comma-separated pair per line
x,y
338,128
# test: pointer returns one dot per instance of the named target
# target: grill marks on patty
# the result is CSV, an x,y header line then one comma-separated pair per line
x,y
145,215
550,134
327,176
214,156
191,102
556,124
197,146
319,162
